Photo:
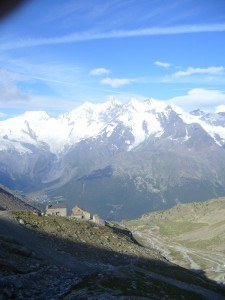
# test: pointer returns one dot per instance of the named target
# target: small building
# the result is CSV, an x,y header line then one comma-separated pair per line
x,y
98,220
56,209
79,213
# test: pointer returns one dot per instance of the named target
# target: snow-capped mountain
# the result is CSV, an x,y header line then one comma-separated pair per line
x,y
143,119
152,147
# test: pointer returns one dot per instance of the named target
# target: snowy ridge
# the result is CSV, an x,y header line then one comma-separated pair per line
x,y
214,131
89,120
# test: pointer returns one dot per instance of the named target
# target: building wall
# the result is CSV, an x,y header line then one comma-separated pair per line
x,y
80,217
98,220
56,212
87,215
76,210
79,213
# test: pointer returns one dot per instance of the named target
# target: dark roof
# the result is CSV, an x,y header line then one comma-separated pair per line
x,y
56,205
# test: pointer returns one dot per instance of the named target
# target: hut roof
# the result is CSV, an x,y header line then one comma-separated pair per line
x,y
56,205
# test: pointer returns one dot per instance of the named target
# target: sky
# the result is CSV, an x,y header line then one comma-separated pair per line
x,y
55,55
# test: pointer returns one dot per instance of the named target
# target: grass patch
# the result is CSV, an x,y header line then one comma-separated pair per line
x,y
172,229
79,232
207,244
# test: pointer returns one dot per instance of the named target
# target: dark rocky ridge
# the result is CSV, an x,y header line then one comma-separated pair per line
x,y
9,201
58,258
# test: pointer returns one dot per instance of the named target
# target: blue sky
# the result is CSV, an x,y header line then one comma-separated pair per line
x,y
55,55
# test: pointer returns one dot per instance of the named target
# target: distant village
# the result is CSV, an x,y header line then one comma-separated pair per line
x,y
60,209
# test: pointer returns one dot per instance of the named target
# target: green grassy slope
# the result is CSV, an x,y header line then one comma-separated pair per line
x,y
191,235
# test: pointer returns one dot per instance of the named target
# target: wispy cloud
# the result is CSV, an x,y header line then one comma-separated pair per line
x,y
90,35
200,98
82,12
117,82
99,71
13,98
162,64
2,115
53,77
26,85
66,97
220,108
8,89
191,71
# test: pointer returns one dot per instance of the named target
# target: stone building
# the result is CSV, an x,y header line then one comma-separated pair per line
x,y
56,209
79,213
98,220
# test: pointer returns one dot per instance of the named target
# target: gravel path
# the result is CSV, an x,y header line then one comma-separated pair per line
x,y
192,257
9,228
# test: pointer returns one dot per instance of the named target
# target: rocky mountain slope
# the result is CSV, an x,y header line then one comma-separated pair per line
x,y
59,258
190,235
117,159
9,201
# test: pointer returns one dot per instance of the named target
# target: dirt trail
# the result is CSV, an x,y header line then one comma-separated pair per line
x,y
9,228
191,258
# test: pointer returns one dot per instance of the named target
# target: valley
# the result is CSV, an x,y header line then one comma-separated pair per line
x,y
165,254
190,235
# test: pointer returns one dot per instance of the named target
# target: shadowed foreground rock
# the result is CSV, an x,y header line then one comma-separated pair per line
x,y
57,258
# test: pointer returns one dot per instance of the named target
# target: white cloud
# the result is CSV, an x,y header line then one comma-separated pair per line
x,y
99,71
13,98
8,89
162,64
49,72
191,71
200,98
36,102
117,82
220,108
2,115
61,78
89,35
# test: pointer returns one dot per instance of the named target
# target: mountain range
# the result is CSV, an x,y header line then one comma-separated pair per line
x,y
117,159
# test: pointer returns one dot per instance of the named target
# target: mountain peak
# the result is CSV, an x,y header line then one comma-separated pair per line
x,y
154,104
87,106
134,103
197,112
140,118
110,104
43,115
113,101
